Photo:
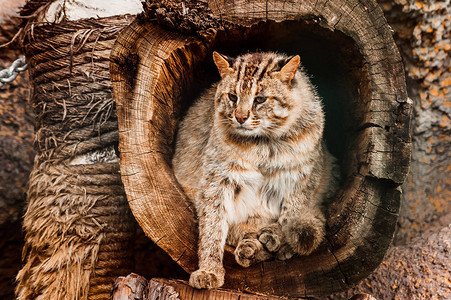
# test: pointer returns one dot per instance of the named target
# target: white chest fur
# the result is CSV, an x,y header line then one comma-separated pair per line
x,y
258,195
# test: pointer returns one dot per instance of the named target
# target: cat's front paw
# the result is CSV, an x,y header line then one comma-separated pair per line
x,y
271,237
206,279
246,253
305,236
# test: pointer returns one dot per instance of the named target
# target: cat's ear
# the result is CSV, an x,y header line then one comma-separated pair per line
x,y
223,62
286,74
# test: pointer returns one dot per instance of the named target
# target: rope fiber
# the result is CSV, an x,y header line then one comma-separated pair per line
x,y
78,226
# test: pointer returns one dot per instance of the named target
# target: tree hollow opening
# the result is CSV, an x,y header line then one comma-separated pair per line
x,y
157,73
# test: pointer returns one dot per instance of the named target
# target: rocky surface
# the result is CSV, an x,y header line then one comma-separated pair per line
x,y
419,270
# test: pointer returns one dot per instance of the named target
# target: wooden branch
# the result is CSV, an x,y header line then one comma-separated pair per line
x,y
136,287
166,289
130,287
151,70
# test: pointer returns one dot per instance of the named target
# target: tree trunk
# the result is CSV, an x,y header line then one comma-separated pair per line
x,y
152,71
16,161
78,227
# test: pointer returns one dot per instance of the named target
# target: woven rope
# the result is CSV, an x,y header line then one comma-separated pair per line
x,y
78,224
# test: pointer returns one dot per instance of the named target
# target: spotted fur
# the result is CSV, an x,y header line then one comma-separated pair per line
x,y
250,155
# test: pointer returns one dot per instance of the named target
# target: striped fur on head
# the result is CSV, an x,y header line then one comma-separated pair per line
x,y
260,94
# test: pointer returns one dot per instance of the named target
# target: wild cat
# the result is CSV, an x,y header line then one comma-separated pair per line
x,y
250,155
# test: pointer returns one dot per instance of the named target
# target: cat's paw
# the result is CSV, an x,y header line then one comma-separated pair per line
x,y
246,252
305,236
270,237
206,279
285,252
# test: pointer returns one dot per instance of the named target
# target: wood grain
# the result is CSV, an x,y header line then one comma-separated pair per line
x,y
164,289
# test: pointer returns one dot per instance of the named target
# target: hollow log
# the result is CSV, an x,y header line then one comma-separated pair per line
x,y
154,64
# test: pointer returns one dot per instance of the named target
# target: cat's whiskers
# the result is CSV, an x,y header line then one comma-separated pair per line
x,y
276,130
226,121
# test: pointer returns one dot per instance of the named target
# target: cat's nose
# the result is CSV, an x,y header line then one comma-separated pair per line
x,y
241,118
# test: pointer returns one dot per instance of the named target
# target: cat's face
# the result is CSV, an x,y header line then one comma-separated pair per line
x,y
258,94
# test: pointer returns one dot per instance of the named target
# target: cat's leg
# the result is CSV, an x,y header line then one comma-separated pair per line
x,y
213,229
303,227
249,250
212,234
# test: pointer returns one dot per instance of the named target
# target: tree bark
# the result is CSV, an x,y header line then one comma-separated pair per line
x,y
16,161
130,287
165,289
418,26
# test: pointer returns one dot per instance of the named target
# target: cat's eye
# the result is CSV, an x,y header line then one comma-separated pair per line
x,y
233,97
260,99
